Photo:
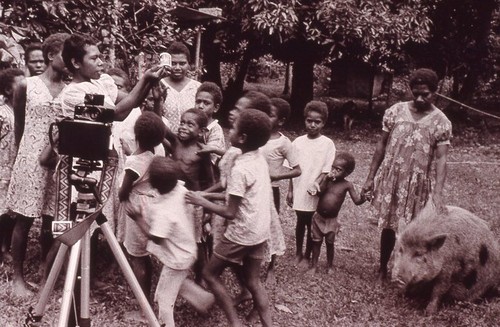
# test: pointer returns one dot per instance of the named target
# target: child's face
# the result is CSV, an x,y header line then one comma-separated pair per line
x,y
276,122
234,135
240,105
205,102
338,168
149,103
188,128
314,123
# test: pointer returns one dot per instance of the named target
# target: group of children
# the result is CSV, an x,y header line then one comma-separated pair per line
x,y
200,190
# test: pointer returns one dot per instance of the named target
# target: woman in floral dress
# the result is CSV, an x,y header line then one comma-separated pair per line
x,y
415,133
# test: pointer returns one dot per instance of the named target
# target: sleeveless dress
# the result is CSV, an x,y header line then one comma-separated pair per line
x,y
403,182
32,188
8,151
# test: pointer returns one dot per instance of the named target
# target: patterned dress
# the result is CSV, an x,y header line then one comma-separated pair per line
x,y
177,102
8,151
32,189
403,182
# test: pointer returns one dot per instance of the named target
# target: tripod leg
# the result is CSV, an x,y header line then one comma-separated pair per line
x,y
129,275
39,309
85,281
69,284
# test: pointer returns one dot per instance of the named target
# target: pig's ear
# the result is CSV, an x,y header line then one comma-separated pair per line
x,y
435,242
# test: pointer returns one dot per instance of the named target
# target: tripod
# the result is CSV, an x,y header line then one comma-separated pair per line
x,y
77,240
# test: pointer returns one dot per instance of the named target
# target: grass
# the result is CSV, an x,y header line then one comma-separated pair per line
x,y
351,296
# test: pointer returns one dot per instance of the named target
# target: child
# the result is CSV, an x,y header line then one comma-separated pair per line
x,y
276,150
8,150
135,194
171,232
248,213
196,170
332,192
209,98
316,153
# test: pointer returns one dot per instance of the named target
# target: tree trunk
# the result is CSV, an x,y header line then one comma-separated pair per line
x,y
286,89
211,57
302,87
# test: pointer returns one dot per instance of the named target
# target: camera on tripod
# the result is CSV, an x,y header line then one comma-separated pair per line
x,y
87,136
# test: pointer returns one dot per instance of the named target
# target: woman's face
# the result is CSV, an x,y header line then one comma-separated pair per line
x,y
91,66
422,97
180,67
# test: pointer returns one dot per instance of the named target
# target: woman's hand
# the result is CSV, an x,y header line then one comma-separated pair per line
x,y
157,72
289,199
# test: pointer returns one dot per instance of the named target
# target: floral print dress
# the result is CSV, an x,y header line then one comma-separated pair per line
x,y
8,151
403,182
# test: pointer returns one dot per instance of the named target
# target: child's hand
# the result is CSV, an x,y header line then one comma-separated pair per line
x,y
313,189
289,199
194,198
207,228
205,148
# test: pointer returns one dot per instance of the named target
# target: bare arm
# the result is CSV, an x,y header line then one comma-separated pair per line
x,y
289,195
19,105
227,211
126,187
357,198
286,174
441,171
378,157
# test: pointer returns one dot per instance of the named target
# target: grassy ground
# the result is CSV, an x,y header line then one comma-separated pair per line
x,y
350,296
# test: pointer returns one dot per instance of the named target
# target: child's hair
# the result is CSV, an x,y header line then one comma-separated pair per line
x,y
350,162
424,76
256,125
213,89
317,106
201,116
7,77
149,130
115,71
163,172
53,44
283,107
74,48
30,48
179,48
259,101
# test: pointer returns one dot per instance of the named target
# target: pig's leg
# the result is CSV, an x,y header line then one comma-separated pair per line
x,y
441,287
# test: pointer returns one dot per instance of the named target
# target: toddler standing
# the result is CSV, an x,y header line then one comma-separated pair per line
x,y
316,153
332,192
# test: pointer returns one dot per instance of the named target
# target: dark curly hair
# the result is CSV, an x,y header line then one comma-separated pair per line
x,y
53,44
213,89
179,48
350,162
201,116
7,77
317,106
283,107
74,48
163,173
424,76
257,127
149,130
259,101
30,48
115,71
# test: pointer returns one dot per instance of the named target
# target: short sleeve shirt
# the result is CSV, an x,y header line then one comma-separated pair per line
x,y
215,137
315,157
171,221
276,151
250,180
139,164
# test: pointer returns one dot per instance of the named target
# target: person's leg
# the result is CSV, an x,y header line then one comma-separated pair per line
x,y
142,268
168,287
308,219
270,275
300,230
46,237
211,274
19,246
330,250
316,250
197,296
387,241
261,302
7,224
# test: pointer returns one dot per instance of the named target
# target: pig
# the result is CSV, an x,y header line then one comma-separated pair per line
x,y
453,255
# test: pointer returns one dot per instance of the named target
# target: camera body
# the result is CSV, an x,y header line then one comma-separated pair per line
x,y
87,136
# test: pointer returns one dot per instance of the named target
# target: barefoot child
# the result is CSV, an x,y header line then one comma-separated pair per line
x,y
316,153
278,149
135,194
169,226
332,192
248,213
